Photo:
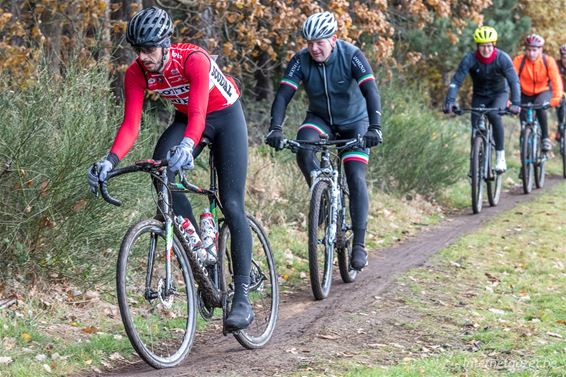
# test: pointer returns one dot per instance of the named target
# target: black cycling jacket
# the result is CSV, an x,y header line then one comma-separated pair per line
x,y
341,90
488,79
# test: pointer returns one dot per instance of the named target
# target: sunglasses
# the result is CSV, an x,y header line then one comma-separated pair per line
x,y
145,50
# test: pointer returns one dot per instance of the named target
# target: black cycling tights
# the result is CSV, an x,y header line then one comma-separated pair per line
x,y
499,101
227,131
355,169
561,111
538,99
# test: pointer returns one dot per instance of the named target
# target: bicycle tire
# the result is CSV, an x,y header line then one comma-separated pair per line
x,y
475,169
321,278
527,169
265,307
539,164
563,150
171,322
344,237
493,180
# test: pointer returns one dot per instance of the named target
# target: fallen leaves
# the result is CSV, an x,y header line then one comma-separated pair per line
x,y
328,337
89,330
492,278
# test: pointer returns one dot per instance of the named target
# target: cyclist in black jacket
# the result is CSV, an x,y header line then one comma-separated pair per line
x,y
492,74
344,102
561,110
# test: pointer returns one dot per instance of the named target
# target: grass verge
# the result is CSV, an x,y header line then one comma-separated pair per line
x,y
492,304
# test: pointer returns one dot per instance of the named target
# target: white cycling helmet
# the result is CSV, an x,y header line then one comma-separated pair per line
x,y
320,26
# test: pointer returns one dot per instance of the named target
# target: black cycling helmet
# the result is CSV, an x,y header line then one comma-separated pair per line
x,y
150,27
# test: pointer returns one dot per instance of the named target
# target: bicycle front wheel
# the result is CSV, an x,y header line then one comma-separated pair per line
x,y
478,154
493,181
320,248
159,320
527,160
264,289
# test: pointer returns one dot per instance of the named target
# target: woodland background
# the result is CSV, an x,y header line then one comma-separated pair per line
x,y
421,40
61,73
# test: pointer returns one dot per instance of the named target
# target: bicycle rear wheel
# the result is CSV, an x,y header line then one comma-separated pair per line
x,y
160,323
344,237
320,249
493,180
527,159
477,176
264,288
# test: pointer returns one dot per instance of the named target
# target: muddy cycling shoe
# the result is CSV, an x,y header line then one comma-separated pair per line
x,y
241,315
546,144
359,257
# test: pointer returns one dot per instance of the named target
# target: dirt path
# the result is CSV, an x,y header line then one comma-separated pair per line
x,y
310,332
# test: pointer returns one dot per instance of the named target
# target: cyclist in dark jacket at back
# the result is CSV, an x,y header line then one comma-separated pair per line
x,y
492,75
343,103
561,110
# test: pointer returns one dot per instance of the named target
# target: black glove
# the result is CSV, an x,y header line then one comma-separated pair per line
x,y
97,173
448,107
275,138
515,109
373,136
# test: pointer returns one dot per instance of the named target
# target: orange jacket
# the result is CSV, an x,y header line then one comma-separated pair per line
x,y
534,77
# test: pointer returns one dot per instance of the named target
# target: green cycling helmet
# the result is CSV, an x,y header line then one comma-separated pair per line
x,y
485,34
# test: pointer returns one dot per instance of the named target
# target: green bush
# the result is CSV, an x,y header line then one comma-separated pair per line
x,y
50,134
421,152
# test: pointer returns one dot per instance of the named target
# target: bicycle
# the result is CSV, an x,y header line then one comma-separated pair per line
x,y
562,131
158,268
532,157
482,159
329,225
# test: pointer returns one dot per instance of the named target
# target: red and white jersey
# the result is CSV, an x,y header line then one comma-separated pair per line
x,y
191,80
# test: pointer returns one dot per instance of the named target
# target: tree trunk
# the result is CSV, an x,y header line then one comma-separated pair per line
x,y
264,83
123,54
51,25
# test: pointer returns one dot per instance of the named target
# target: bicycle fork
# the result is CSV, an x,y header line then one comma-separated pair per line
x,y
331,176
165,287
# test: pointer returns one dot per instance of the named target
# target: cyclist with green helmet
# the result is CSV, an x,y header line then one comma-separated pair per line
x,y
492,75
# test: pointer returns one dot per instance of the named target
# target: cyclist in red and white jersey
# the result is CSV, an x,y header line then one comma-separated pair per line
x,y
206,105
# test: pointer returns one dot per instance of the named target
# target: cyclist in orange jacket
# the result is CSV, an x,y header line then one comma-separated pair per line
x,y
561,110
540,81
